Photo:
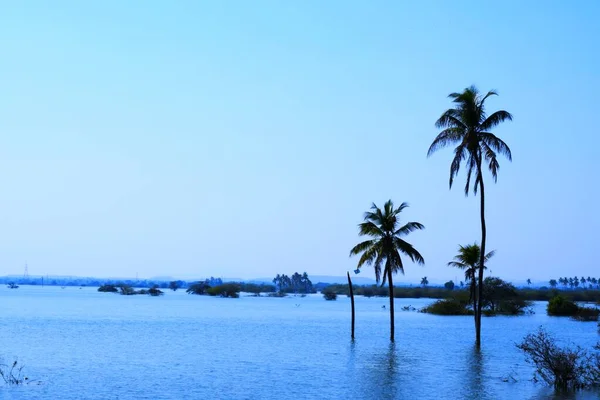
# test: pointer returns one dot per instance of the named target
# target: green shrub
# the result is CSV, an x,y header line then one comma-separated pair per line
x,y
561,307
447,307
225,290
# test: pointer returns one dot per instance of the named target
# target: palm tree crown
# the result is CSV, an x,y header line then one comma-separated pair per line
x,y
468,260
386,244
468,127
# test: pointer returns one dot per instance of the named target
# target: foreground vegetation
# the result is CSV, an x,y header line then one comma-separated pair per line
x,y
12,374
564,368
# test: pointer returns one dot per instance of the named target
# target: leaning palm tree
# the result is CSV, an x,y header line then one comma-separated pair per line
x,y
467,259
468,127
385,246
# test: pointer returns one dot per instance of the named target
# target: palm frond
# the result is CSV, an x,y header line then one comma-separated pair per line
x,y
459,155
409,250
490,156
363,246
496,144
388,208
450,119
368,257
490,255
445,138
457,264
377,266
369,229
395,264
495,119
471,167
409,227
400,208
490,93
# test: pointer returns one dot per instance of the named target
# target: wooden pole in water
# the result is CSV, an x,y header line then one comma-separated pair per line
x,y
351,302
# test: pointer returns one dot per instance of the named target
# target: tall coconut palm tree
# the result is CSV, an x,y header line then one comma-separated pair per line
x,y
468,126
467,259
386,245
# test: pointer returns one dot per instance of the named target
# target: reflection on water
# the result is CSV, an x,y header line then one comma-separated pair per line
x,y
475,366
379,379
186,347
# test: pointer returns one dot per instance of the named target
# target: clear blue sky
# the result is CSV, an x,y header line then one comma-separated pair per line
x,y
245,139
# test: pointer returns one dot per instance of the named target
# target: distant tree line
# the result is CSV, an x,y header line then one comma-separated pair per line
x,y
295,284
575,282
543,293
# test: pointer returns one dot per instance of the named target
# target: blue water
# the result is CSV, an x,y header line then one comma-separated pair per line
x,y
81,344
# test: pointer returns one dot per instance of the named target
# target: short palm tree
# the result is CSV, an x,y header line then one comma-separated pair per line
x,y
468,127
467,259
385,245
424,281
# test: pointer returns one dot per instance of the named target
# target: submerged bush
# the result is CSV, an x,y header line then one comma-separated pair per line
x,y
515,306
108,289
502,298
447,307
586,314
329,294
127,290
562,307
256,289
225,290
198,288
564,368
12,374
155,291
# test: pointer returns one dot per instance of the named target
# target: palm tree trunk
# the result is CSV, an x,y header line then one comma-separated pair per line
x,y
391,287
474,299
481,260
351,302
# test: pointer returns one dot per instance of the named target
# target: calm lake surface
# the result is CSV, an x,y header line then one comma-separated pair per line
x,y
82,344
